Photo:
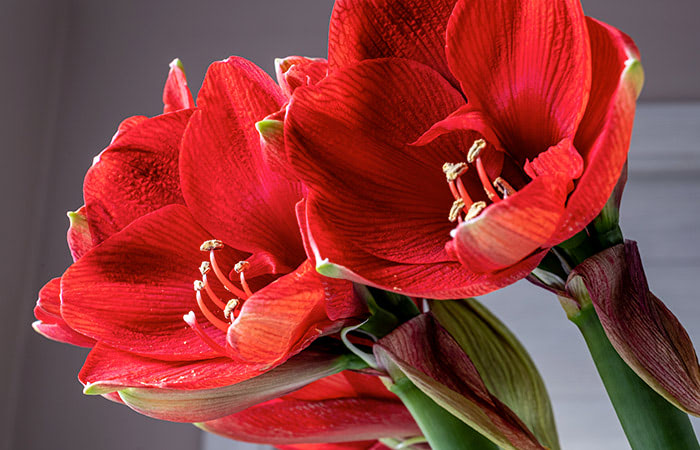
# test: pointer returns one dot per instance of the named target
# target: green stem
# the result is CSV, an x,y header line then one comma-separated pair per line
x,y
442,430
649,421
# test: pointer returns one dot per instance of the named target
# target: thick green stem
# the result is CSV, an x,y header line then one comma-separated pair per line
x,y
649,421
442,430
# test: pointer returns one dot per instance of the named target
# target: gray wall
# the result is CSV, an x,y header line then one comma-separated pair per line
x,y
73,69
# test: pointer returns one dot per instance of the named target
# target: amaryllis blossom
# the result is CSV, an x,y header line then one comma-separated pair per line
x,y
342,408
198,280
453,143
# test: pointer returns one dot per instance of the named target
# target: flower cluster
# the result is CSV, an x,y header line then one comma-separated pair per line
x,y
256,263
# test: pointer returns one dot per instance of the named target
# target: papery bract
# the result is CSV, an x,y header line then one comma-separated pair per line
x,y
529,160
642,329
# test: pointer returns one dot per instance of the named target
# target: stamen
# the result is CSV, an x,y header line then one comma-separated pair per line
x,y
503,187
463,192
490,191
204,267
475,150
453,171
240,268
211,246
230,306
475,210
218,323
215,298
456,209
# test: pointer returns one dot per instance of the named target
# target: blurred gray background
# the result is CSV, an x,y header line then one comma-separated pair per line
x,y
72,70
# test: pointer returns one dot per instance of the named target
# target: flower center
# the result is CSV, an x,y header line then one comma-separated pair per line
x,y
453,173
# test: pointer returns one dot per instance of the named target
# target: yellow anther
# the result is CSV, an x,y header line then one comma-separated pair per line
x,y
204,267
475,210
230,306
475,150
214,244
503,187
454,170
198,285
241,266
456,209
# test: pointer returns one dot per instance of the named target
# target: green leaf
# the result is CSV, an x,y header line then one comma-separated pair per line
x,y
503,363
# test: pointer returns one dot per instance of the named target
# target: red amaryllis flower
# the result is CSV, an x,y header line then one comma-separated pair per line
x,y
257,301
530,157
342,408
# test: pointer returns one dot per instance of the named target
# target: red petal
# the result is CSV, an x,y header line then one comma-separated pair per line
x,y
108,370
509,231
342,385
297,71
126,125
176,95
644,332
339,305
411,29
561,159
348,139
132,291
604,135
225,179
339,258
322,421
526,64
135,175
283,318
49,322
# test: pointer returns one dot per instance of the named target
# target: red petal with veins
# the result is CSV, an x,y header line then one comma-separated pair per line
x,y
348,139
508,231
339,305
126,125
78,236
369,29
339,258
225,181
283,318
49,322
526,64
321,421
135,175
132,291
176,95
604,135
108,369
